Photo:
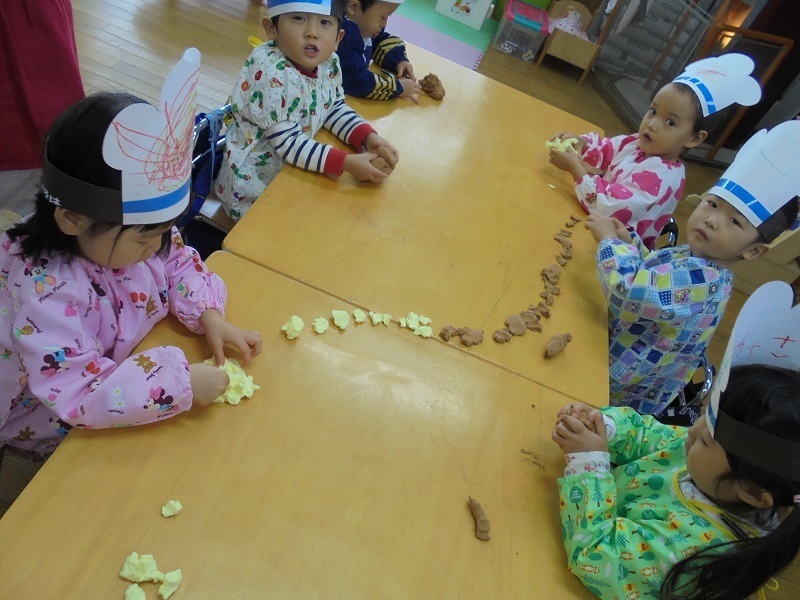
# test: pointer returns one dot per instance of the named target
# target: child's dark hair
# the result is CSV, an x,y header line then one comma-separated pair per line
x,y
337,12
74,145
701,123
768,399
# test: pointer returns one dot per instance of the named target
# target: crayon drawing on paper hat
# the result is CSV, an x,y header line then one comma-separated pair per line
x,y
153,148
767,332
720,81
281,7
765,175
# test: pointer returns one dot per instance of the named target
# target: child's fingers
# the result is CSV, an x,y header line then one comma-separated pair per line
x,y
253,339
600,425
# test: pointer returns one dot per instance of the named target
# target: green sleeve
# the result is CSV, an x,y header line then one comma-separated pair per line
x,y
638,435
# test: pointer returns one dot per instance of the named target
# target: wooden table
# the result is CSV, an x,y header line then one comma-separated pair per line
x,y
459,232
346,476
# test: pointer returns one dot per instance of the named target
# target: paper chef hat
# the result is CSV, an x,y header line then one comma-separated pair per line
x,y
280,7
153,150
720,81
767,332
764,176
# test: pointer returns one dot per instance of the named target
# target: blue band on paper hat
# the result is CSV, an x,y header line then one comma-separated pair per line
x,y
761,211
701,87
280,7
720,81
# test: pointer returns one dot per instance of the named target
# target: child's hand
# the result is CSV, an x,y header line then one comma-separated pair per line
x,y
572,435
568,161
581,411
411,89
220,332
604,227
373,141
404,69
208,383
360,167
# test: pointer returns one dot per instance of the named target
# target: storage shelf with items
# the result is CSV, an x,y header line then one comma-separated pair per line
x,y
521,30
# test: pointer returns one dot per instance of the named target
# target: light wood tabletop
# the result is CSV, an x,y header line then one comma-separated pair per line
x,y
459,232
346,476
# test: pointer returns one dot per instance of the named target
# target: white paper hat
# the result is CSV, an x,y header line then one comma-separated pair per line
x,y
767,332
720,81
280,7
153,148
765,174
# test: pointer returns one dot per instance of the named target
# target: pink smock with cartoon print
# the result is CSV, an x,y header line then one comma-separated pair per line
x,y
67,330
641,191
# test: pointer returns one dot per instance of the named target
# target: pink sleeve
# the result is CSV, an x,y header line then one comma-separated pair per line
x,y
193,289
70,372
598,151
642,195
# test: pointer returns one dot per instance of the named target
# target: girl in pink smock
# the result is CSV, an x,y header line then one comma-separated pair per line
x,y
88,274
638,178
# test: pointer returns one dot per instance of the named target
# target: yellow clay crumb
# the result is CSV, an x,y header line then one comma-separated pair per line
x,y
171,582
375,317
359,316
386,318
293,327
412,320
423,320
550,185
240,384
141,568
134,592
341,318
562,145
320,325
423,331
171,508
402,321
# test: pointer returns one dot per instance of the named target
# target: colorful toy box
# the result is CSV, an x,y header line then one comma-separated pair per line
x,y
521,31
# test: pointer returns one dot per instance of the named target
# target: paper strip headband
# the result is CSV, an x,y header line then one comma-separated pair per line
x,y
280,7
765,175
720,81
767,332
153,150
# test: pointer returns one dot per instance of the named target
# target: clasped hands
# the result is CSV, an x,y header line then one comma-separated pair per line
x,y
580,428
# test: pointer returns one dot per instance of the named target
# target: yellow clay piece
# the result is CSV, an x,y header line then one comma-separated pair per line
x,y
423,320
359,316
320,325
412,320
423,331
561,145
171,582
134,592
240,383
141,568
293,327
341,318
402,321
171,508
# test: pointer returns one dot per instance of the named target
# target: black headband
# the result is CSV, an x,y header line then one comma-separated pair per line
x,y
96,202
764,450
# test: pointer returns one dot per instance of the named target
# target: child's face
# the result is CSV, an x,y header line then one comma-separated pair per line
x,y
307,39
132,246
666,128
371,21
717,231
707,463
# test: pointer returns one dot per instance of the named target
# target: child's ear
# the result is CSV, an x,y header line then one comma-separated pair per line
x,y
755,250
70,222
338,39
269,28
697,139
351,7
755,496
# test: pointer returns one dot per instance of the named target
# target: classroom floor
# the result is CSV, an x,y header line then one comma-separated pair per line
x,y
129,44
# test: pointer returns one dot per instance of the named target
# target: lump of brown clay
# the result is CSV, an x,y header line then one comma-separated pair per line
x,y
516,325
532,321
544,309
482,528
551,274
470,337
432,86
553,289
501,336
561,260
385,161
447,332
573,220
556,344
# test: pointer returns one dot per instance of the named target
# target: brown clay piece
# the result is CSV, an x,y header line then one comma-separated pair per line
x,y
432,85
501,336
532,321
483,529
544,309
516,325
556,344
447,332
470,337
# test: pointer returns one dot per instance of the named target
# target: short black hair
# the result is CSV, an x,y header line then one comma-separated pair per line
x,y
701,123
74,145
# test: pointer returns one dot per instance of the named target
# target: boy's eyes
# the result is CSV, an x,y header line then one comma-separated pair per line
x,y
711,203
326,22
670,122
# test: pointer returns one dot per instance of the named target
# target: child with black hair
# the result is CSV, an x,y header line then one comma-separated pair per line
x,y
366,40
639,178
665,304
708,512
99,263
288,89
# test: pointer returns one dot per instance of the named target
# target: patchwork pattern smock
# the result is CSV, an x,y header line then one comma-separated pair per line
x,y
624,528
664,306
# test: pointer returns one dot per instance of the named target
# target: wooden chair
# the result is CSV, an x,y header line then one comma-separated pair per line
x,y
571,48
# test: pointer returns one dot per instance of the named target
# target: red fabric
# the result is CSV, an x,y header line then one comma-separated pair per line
x,y
39,75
